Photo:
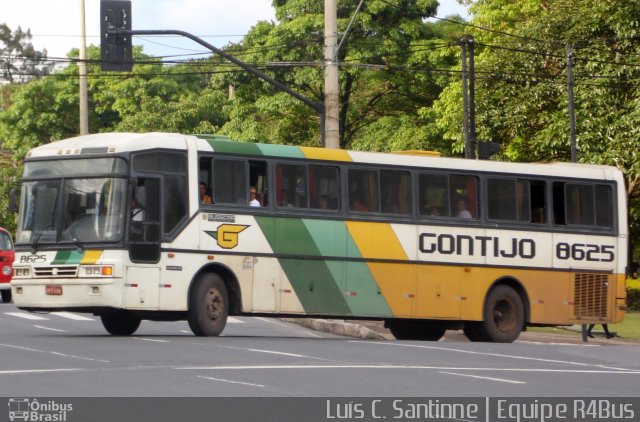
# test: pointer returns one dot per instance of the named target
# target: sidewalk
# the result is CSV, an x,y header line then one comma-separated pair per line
x,y
374,330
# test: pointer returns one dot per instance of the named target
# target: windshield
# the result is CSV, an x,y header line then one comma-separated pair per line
x,y
72,210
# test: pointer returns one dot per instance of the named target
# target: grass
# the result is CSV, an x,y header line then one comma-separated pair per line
x,y
629,328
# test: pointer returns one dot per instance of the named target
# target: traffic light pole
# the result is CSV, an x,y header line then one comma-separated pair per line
x,y
318,106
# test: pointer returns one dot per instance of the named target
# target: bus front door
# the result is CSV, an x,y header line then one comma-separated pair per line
x,y
142,285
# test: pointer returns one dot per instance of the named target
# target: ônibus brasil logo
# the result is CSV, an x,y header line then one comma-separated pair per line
x,y
32,410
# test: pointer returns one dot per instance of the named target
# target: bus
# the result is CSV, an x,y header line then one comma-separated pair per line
x,y
113,224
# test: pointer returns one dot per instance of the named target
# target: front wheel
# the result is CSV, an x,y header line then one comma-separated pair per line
x,y
208,306
503,316
120,323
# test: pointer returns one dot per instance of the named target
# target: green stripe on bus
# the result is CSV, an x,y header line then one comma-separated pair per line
x,y
68,257
356,281
234,147
312,279
281,150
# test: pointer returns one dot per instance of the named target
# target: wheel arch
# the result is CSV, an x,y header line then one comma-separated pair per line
x,y
515,284
230,280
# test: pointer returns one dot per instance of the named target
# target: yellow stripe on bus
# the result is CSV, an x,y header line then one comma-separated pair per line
x,y
326,154
91,257
397,282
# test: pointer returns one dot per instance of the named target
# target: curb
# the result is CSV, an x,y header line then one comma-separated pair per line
x,y
338,327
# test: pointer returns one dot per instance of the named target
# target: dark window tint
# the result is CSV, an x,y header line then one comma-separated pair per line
x,y
363,191
230,181
395,187
508,200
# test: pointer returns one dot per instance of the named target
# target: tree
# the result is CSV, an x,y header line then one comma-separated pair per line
x,y
386,74
19,60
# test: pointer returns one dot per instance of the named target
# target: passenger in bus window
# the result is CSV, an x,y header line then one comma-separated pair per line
x,y
137,210
323,202
253,197
461,206
357,204
204,197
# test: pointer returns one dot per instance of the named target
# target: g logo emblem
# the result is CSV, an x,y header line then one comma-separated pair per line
x,y
227,235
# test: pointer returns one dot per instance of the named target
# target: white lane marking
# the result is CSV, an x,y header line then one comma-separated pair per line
x,y
232,320
484,378
37,371
273,352
232,382
27,316
13,346
151,339
50,329
413,367
449,349
186,331
78,357
75,317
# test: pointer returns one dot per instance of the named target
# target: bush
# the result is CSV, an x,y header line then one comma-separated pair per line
x,y
633,294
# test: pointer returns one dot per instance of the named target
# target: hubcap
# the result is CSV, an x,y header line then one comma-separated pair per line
x,y
213,302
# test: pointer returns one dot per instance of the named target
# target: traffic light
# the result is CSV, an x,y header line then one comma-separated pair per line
x,y
115,48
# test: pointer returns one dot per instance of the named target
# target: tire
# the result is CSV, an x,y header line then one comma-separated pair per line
x,y
120,323
208,306
422,330
6,296
503,316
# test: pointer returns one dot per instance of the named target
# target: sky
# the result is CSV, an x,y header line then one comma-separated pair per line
x,y
55,24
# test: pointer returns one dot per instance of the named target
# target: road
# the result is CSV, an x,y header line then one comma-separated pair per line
x,y
70,355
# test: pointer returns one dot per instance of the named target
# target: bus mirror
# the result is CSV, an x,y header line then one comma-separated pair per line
x,y
13,203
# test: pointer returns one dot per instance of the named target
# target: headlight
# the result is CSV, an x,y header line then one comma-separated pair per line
x,y
22,272
6,270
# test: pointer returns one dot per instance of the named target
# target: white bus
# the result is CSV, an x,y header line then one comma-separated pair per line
x,y
113,224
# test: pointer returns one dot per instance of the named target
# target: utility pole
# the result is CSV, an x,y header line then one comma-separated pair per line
x,y
572,130
468,97
331,83
82,73
572,108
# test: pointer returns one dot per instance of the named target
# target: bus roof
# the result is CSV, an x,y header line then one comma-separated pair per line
x,y
117,142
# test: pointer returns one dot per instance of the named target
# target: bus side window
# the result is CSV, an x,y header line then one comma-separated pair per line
x,y
463,192
323,187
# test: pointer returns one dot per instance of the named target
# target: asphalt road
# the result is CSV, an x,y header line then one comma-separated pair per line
x,y
70,355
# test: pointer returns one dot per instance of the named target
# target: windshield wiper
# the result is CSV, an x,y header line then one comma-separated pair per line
x,y
34,244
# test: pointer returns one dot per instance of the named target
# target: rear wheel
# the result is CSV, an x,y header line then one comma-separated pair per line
x,y
208,306
120,323
503,316
6,296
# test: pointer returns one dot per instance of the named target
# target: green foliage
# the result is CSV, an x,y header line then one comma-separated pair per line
x,y
380,90
633,294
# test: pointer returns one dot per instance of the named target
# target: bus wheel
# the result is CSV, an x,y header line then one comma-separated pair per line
x,y
6,296
208,306
120,323
503,315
